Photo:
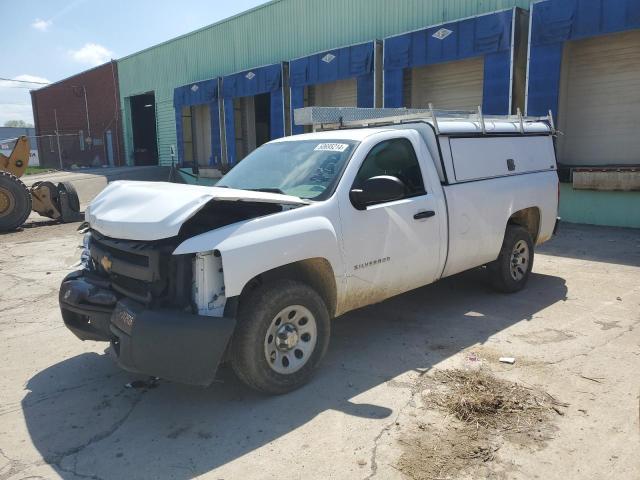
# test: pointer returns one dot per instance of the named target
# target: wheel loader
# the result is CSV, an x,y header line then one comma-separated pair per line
x,y
59,202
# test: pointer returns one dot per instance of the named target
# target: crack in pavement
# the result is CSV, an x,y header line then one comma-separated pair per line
x,y
56,460
15,466
591,349
374,451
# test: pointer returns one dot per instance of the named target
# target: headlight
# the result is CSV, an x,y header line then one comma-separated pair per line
x,y
85,256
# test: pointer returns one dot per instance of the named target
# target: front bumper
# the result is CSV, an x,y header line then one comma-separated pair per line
x,y
171,344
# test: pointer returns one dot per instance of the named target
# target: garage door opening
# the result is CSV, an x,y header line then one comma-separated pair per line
x,y
341,93
449,86
143,123
196,135
600,101
252,122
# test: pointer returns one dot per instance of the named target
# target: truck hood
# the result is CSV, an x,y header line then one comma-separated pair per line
x,y
133,210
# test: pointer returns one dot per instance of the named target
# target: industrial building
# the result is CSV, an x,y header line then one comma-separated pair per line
x,y
208,98
256,67
584,66
77,120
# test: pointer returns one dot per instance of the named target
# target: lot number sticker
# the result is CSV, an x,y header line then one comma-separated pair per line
x,y
331,147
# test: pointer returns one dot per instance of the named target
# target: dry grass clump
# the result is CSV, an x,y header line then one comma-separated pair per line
x,y
478,398
482,411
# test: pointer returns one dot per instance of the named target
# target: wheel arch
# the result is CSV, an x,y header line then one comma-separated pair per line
x,y
528,218
315,272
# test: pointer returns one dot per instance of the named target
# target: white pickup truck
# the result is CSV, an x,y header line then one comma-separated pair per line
x,y
180,278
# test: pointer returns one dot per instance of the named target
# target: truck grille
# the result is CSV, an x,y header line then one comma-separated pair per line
x,y
146,272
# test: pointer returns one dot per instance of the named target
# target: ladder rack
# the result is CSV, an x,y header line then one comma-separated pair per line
x,y
335,118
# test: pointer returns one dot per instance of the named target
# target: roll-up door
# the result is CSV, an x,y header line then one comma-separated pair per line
x,y
452,85
201,118
599,109
341,93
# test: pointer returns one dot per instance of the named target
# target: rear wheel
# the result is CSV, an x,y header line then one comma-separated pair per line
x,y
15,202
510,272
281,336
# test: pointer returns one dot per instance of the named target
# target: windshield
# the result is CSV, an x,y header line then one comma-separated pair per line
x,y
307,169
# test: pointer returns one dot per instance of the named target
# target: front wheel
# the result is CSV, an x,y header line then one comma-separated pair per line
x,y
282,334
510,272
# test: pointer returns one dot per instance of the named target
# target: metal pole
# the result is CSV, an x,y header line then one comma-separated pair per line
x,y
86,109
482,125
55,114
435,120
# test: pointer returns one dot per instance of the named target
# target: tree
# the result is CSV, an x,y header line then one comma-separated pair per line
x,y
18,124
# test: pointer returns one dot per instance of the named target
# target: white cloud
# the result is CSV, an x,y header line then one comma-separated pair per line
x,y
25,78
10,111
92,54
42,25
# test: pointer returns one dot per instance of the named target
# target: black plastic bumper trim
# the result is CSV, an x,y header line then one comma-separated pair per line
x,y
173,345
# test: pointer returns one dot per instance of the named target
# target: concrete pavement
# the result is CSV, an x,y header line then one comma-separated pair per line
x,y
65,410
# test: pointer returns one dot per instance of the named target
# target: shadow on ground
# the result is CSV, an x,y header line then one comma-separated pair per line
x,y
80,406
597,244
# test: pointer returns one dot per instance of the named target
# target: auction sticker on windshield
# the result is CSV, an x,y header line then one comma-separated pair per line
x,y
331,147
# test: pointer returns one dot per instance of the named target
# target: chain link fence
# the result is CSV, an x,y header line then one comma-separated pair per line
x,y
76,150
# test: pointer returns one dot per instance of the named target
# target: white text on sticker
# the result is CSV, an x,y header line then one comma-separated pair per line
x,y
331,147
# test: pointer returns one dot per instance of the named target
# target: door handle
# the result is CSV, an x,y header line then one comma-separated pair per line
x,y
425,214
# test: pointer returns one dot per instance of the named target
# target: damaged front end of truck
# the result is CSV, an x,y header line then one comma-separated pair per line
x,y
164,314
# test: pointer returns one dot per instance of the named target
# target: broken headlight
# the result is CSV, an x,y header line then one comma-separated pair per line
x,y
85,256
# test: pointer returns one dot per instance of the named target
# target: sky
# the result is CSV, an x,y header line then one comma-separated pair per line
x,y
48,40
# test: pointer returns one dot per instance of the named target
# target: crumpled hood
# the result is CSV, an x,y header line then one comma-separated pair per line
x,y
133,210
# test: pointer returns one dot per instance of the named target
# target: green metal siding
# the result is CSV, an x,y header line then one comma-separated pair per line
x,y
279,30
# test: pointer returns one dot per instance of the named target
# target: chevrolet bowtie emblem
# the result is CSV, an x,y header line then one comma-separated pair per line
x,y
106,263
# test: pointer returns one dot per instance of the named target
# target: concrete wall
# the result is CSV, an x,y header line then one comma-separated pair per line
x,y
614,209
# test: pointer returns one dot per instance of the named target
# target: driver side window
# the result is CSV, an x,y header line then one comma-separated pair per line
x,y
397,158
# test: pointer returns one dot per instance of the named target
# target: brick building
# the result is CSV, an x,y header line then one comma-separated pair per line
x,y
77,120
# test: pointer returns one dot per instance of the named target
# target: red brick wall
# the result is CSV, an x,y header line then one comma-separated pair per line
x,y
66,99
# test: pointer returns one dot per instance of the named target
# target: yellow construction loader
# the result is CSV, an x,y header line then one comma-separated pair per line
x,y
59,202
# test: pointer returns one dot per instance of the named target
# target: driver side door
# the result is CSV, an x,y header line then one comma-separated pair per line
x,y
392,246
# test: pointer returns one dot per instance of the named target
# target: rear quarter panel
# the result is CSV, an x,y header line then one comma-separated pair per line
x,y
479,212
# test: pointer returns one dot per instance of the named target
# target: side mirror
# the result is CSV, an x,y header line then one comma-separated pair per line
x,y
380,189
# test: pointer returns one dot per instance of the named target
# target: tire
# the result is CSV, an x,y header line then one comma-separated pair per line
x,y
511,271
72,195
260,343
15,202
